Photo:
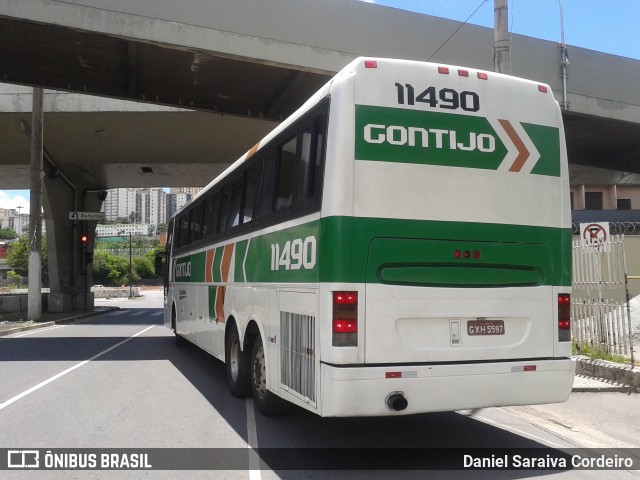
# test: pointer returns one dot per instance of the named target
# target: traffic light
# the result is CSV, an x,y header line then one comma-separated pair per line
x,y
83,240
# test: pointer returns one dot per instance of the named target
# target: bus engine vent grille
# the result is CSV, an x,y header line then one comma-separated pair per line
x,y
297,344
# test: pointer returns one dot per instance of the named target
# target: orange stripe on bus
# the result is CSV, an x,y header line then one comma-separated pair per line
x,y
253,150
208,272
227,254
523,153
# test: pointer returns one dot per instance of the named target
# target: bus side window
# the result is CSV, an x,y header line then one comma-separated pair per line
x,y
214,215
189,226
225,194
249,194
233,217
319,150
286,170
267,185
309,168
196,222
183,223
205,218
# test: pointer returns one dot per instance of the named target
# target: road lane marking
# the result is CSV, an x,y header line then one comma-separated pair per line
x,y
252,440
69,370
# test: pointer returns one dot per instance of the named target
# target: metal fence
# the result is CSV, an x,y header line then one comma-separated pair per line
x,y
600,298
615,228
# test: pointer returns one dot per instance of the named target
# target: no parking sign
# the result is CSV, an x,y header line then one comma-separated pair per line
x,y
594,233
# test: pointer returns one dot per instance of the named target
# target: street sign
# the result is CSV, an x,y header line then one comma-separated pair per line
x,y
86,216
594,233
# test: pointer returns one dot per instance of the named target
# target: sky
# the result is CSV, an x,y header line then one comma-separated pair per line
x,y
609,26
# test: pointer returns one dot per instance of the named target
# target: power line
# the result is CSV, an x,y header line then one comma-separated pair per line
x,y
457,29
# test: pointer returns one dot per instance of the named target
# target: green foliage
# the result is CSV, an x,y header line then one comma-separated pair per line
x,y
598,354
113,270
15,278
8,234
110,269
18,258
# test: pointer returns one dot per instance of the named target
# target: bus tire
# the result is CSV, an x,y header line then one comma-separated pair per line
x,y
180,340
265,401
237,363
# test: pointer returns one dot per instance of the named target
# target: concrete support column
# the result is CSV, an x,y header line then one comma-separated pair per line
x,y
65,278
35,220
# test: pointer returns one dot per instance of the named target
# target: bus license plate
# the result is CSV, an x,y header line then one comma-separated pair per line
x,y
485,327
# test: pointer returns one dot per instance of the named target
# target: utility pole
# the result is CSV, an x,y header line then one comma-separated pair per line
x,y
35,208
564,61
500,36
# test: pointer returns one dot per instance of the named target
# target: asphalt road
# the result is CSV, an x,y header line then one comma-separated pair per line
x,y
119,381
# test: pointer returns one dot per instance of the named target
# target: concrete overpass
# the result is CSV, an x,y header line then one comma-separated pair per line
x,y
241,64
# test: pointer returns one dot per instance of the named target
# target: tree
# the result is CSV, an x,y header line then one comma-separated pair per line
x,y
110,269
18,257
8,234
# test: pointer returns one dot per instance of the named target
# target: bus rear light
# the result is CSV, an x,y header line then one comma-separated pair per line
x,y
542,88
370,64
345,298
345,319
344,326
467,254
564,317
443,70
463,73
483,76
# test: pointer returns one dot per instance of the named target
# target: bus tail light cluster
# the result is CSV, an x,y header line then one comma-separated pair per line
x,y
466,254
345,319
564,317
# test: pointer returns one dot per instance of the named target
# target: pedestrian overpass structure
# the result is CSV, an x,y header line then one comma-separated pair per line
x,y
209,78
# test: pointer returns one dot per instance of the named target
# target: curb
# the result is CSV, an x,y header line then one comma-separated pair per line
x,y
61,321
25,328
626,376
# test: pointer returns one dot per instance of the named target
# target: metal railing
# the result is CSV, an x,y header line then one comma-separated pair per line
x,y
600,298
615,228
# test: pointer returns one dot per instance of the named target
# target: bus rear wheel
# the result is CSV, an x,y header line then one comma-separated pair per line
x,y
180,340
266,402
237,362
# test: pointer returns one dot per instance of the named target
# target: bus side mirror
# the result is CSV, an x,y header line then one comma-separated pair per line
x,y
159,264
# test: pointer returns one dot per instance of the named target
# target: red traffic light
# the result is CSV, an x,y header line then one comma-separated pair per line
x,y
83,240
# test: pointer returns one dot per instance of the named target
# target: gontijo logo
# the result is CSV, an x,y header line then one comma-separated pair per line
x,y
183,269
401,135
434,137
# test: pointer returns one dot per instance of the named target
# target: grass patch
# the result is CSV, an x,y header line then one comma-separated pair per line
x,y
598,354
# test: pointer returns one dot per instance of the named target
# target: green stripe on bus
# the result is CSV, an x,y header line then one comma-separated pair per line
x,y
241,250
547,141
217,265
345,246
416,252
289,255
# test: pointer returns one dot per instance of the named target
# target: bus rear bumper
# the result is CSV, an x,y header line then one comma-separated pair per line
x,y
365,391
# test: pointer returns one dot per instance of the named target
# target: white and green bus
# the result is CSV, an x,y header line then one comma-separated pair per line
x,y
401,244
